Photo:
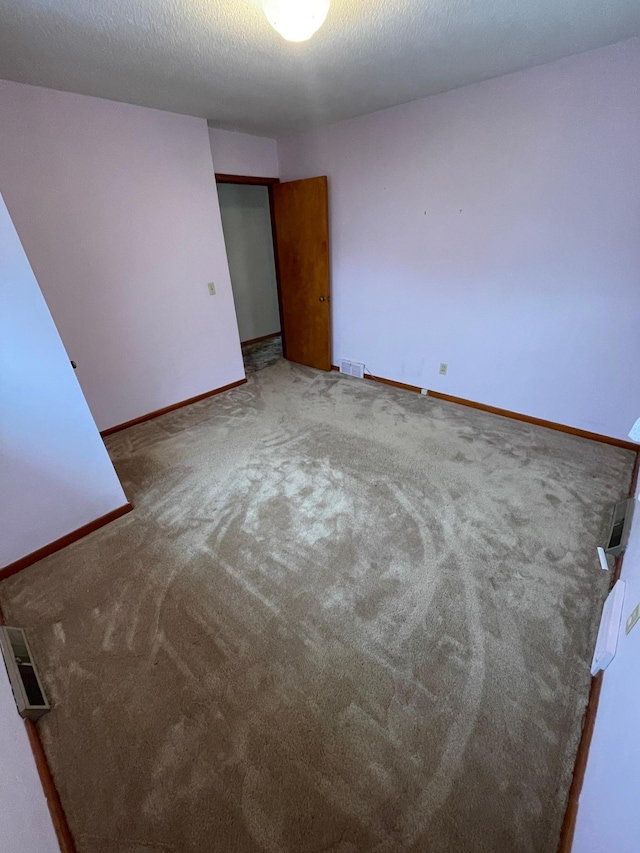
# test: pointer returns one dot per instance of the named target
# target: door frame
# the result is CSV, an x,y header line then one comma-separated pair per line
x,y
263,182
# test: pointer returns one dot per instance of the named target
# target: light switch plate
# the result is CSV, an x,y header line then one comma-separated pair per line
x,y
632,619
212,288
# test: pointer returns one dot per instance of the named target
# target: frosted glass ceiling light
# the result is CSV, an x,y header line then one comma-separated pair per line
x,y
296,20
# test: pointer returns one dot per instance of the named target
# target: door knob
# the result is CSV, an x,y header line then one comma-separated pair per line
x,y
322,299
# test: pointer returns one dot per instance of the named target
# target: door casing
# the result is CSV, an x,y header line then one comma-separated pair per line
x,y
222,178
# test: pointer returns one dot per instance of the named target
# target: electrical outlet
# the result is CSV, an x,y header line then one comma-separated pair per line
x,y
424,391
212,288
443,369
632,619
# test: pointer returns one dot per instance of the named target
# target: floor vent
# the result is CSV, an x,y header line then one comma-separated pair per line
x,y
23,675
352,368
620,528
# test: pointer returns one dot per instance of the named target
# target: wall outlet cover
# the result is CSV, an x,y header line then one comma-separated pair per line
x,y
443,369
212,288
632,619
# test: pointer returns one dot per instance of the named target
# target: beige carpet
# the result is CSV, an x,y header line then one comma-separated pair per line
x,y
261,355
342,618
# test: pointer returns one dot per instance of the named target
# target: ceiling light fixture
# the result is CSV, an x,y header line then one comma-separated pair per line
x,y
296,20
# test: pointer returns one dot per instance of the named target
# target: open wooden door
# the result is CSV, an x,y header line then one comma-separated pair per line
x,y
300,213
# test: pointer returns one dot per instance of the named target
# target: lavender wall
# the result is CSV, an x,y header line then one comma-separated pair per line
x,y
25,825
608,815
494,228
55,474
243,154
117,209
246,221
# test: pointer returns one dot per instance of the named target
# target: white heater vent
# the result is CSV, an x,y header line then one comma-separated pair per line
x,y
23,675
352,368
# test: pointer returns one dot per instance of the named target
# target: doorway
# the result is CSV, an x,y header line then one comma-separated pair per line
x,y
277,240
245,209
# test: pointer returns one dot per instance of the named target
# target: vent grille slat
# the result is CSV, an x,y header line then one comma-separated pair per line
x,y
352,368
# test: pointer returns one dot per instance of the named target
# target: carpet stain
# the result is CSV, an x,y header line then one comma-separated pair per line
x,y
342,617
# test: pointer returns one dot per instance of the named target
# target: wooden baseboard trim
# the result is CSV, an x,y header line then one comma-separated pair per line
x,y
516,416
393,383
383,381
148,417
571,813
580,767
259,340
58,817
582,756
52,547
506,413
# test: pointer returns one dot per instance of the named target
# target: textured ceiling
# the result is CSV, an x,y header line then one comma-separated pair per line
x,y
221,60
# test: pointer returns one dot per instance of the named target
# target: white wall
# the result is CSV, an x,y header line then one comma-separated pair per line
x,y
117,209
494,228
243,154
25,824
55,474
608,814
246,222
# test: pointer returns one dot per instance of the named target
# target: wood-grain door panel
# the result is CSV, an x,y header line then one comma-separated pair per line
x,y
302,241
